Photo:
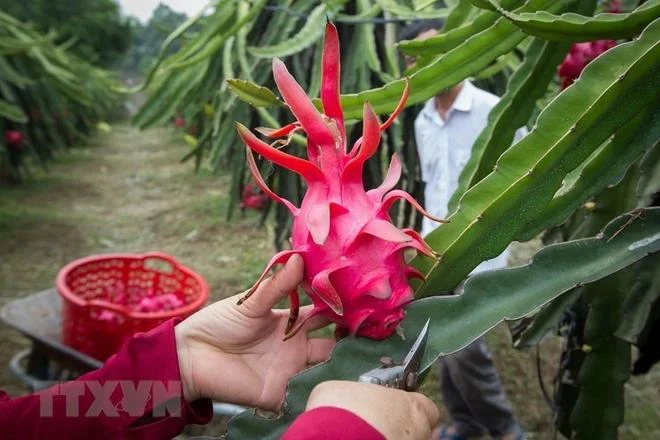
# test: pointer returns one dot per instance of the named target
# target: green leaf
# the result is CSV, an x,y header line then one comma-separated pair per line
x,y
528,83
576,27
613,90
458,15
399,10
649,181
452,37
605,168
253,94
599,408
488,298
475,54
12,112
366,14
639,302
10,74
176,34
310,33
546,320
213,46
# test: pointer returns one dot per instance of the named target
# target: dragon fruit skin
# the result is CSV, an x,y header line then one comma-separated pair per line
x,y
581,54
355,270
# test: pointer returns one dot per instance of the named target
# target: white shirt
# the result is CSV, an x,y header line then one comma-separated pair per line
x,y
444,148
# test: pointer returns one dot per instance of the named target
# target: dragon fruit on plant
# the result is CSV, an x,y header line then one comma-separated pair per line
x,y
253,198
581,54
578,57
14,138
355,270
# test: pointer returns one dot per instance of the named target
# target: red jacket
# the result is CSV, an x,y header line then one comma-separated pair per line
x,y
137,395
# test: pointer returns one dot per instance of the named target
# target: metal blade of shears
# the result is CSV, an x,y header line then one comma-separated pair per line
x,y
402,375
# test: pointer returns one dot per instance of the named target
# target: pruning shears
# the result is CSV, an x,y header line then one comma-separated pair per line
x,y
404,375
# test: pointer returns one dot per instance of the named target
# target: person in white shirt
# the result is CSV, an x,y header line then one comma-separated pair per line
x,y
445,130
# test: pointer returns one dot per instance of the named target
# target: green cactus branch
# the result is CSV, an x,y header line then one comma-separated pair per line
x,y
613,90
604,169
599,408
12,112
638,304
459,14
449,38
310,33
472,56
577,27
528,83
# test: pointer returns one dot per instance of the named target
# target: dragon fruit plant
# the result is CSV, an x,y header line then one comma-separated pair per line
x,y
355,268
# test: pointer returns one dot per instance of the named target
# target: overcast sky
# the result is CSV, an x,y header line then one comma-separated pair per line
x,y
142,8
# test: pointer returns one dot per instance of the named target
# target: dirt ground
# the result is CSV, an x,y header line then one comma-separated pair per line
x,y
127,192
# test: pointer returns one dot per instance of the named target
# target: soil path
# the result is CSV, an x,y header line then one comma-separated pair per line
x,y
124,192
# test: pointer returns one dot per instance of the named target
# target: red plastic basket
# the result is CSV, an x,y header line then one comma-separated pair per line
x,y
106,298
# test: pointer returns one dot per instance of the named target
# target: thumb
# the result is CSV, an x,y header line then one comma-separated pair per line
x,y
426,407
275,288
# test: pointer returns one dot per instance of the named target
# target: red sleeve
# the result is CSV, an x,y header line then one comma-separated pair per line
x,y
137,394
330,423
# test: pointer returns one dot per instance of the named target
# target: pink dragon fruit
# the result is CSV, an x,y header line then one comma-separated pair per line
x,y
582,54
14,138
578,57
355,270
253,198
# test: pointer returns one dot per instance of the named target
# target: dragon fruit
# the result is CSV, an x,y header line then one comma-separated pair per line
x,y
355,270
253,198
581,54
578,57
14,138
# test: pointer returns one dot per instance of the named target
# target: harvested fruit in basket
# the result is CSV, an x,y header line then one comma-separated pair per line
x,y
355,269
159,303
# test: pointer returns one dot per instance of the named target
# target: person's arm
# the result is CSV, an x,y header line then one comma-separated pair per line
x,y
361,411
137,394
331,423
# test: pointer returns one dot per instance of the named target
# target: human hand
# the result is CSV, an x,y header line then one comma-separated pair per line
x,y
394,413
237,353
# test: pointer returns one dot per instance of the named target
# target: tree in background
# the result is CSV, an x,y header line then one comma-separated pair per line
x,y
147,39
96,29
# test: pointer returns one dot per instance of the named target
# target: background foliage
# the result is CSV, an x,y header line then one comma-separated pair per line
x,y
94,29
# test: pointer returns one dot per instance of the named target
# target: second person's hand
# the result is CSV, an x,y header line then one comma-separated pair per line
x,y
397,414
